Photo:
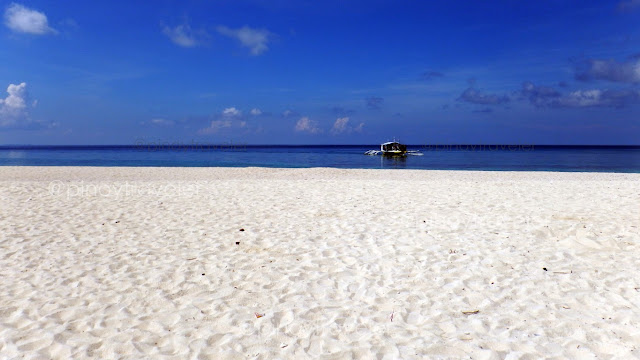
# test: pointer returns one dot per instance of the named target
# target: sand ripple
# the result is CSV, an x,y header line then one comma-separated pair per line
x,y
549,262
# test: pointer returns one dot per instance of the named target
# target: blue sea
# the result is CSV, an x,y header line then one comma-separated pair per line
x,y
435,157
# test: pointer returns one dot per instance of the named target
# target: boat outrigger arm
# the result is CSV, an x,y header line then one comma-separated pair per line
x,y
393,148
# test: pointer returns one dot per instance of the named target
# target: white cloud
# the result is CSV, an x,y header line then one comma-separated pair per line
x,y
341,125
215,126
229,117
256,112
254,39
307,125
288,113
181,35
21,19
13,108
161,122
231,112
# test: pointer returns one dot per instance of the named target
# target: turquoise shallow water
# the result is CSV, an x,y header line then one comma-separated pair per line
x,y
440,157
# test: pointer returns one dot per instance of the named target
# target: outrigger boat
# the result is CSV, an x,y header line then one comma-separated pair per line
x,y
393,148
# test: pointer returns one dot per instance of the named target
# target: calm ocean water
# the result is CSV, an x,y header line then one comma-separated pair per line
x,y
441,157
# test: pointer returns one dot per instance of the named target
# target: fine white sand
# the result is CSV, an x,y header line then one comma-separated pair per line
x,y
136,263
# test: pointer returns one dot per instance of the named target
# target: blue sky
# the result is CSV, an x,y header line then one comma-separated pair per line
x,y
320,72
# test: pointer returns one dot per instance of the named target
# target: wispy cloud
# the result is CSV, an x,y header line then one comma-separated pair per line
x,y
598,98
539,96
341,126
14,108
215,126
543,96
609,70
22,19
341,111
628,5
289,113
230,117
256,40
161,122
475,96
231,112
430,75
256,112
183,35
307,125
374,102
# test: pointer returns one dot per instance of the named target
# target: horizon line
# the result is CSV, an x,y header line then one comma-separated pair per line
x,y
186,144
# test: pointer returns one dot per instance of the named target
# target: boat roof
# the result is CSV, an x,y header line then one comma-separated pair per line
x,y
390,142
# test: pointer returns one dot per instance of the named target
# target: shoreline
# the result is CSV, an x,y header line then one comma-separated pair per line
x,y
70,172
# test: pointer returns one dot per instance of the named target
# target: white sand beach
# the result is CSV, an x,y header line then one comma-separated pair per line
x,y
253,263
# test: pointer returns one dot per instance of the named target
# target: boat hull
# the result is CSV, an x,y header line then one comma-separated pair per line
x,y
394,153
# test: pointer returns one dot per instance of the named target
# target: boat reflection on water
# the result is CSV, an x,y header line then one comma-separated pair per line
x,y
393,162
